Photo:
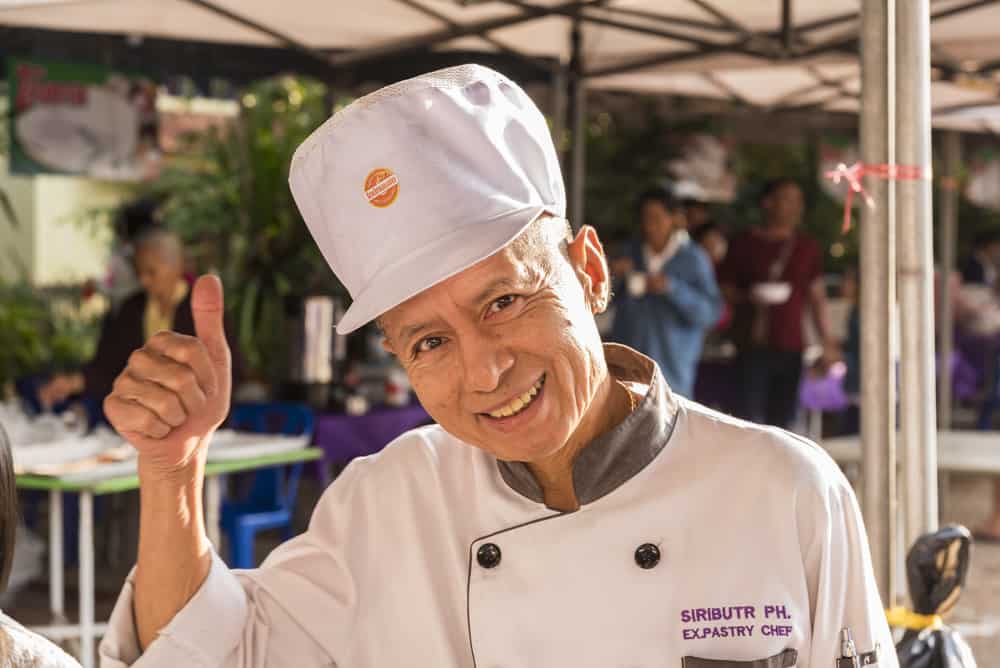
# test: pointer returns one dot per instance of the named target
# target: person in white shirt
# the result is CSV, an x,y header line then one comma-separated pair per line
x,y
568,509
666,296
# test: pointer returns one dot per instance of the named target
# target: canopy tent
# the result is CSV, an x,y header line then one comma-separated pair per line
x,y
766,54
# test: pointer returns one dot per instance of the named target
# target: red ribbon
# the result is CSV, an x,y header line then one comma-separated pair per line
x,y
856,172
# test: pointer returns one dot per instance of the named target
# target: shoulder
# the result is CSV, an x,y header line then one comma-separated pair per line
x,y
695,255
785,460
134,303
427,459
20,648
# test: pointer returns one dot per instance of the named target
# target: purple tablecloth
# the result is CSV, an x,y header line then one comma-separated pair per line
x,y
344,437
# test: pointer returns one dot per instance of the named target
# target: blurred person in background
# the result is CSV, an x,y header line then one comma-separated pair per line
x,y
980,266
666,292
771,276
19,647
694,204
977,319
164,303
712,240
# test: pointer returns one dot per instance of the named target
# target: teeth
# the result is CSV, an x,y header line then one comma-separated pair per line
x,y
518,403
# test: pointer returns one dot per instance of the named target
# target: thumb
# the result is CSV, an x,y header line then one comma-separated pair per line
x,y
207,308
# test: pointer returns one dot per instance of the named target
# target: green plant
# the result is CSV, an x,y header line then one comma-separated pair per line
x,y
625,155
227,195
48,331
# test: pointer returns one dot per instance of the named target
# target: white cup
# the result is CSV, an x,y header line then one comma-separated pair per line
x,y
636,284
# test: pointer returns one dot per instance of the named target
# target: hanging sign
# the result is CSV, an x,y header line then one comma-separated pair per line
x,y
81,120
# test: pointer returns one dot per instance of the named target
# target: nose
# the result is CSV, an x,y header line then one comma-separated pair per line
x,y
485,360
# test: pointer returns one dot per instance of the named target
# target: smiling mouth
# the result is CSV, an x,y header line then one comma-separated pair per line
x,y
519,403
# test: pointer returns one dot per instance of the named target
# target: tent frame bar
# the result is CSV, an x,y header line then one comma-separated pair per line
x,y
292,43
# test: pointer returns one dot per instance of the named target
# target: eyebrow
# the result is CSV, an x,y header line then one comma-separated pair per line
x,y
410,331
494,287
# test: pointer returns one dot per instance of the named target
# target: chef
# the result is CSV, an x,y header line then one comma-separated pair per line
x,y
568,509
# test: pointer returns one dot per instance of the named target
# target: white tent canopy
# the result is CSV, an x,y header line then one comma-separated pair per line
x,y
766,53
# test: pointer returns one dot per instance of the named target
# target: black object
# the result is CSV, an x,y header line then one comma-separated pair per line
x,y
936,567
647,556
488,555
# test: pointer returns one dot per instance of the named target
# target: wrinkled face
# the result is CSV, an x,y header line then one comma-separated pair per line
x,y
657,224
158,271
785,205
506,355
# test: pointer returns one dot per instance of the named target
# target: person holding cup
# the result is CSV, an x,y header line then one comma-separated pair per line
x,y
666,294
771,276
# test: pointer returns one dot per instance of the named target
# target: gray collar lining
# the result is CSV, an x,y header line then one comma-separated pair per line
x,y
613,458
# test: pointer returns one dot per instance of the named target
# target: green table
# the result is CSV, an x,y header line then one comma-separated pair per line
x,y
115,482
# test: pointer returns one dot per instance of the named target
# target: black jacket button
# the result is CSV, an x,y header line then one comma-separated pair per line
x,y
647,555
488,555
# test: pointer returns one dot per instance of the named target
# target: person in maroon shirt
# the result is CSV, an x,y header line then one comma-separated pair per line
x,y
771,275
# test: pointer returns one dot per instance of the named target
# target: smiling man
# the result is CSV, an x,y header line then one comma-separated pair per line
x,y
569,509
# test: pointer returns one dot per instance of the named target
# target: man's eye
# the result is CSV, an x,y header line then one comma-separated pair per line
x,y
428,344
502,303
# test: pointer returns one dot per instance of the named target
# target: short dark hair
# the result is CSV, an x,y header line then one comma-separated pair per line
x,y
8,508
774,185
657,194
132,219
986,237
703,230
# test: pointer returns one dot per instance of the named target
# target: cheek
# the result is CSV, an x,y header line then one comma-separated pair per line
x,y
437,388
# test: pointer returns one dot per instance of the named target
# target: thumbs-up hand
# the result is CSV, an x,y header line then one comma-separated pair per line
x,y
174,392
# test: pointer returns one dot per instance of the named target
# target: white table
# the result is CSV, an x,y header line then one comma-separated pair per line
x,y
976,452
958,451
230,453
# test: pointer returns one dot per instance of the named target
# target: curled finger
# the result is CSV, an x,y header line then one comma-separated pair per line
x,y
160,400
129,416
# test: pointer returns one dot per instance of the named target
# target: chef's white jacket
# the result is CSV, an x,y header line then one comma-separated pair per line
x,y
699,537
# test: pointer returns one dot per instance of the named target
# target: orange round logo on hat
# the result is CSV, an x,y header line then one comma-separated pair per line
x,y
381,187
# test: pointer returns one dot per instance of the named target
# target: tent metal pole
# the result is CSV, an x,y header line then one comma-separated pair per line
x,y
877,281
436,37
578,120
282,38
560,91
952,150
915,270
787,25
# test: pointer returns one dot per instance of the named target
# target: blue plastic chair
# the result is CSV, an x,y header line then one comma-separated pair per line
x,y
270,501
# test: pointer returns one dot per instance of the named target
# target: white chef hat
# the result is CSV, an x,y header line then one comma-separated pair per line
x,y
419,180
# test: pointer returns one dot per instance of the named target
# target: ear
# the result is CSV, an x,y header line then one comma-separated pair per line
x,y
586,256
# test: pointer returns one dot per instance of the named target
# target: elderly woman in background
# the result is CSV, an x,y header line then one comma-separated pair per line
x,y
19,647
163,304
